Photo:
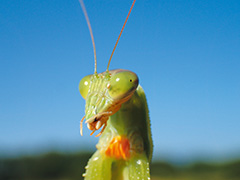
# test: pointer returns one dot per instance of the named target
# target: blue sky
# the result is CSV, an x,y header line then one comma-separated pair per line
x,y
186,54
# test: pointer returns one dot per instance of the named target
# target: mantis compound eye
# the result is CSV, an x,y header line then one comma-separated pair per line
x,y
84,86
123,84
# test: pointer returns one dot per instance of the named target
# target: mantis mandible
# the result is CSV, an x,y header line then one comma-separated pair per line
x,y
116,104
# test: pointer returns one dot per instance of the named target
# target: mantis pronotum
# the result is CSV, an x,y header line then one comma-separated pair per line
x,y
116,103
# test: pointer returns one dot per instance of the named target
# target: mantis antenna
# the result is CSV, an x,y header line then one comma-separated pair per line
x,y
91,34
120,34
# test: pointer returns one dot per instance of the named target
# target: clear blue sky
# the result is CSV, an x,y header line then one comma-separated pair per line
x,y
186,54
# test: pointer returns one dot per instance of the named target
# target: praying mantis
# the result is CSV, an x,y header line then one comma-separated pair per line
x,y
116,104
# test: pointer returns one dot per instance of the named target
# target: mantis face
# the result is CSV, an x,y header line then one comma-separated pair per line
x,y
104,94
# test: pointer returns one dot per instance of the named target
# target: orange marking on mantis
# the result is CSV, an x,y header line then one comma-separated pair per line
x,y
119,148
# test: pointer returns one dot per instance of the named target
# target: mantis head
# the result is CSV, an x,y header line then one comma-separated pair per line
x,y
104,94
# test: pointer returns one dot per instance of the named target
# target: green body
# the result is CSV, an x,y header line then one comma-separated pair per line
x,y
131,121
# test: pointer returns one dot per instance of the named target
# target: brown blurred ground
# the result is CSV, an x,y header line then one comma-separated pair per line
x,y
55,166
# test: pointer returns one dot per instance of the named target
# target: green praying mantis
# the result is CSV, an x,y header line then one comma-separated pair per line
x,y
116,104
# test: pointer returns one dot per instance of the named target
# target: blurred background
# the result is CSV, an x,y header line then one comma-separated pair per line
x,y
187,57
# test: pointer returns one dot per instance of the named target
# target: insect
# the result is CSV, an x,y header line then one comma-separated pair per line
x,y
116,106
